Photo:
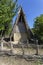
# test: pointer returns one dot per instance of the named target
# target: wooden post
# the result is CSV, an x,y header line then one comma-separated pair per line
x,y
28,43
11,45
36,47
22,48
2,44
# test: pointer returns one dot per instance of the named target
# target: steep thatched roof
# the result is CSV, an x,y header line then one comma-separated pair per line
x,y
21,14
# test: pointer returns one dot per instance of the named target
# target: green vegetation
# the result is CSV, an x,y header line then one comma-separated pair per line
x,y
38,62
38,28
8,9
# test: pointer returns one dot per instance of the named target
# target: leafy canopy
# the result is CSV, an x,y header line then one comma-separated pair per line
x,y
8,9
38,27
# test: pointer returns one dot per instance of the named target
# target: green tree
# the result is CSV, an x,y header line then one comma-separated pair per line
x,y
8,9
38,27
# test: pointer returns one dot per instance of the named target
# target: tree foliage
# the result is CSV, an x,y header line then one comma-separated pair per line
x,y
38,27
8,9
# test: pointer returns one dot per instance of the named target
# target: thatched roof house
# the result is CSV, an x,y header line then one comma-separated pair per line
x,y
21,31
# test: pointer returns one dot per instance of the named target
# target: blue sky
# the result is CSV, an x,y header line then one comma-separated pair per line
x,y
32,9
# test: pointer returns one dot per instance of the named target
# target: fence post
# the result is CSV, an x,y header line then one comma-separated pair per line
x,y
22,47
36,47
11,46
27,42
1,45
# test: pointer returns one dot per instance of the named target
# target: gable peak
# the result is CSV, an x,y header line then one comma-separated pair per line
x,y
20,10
